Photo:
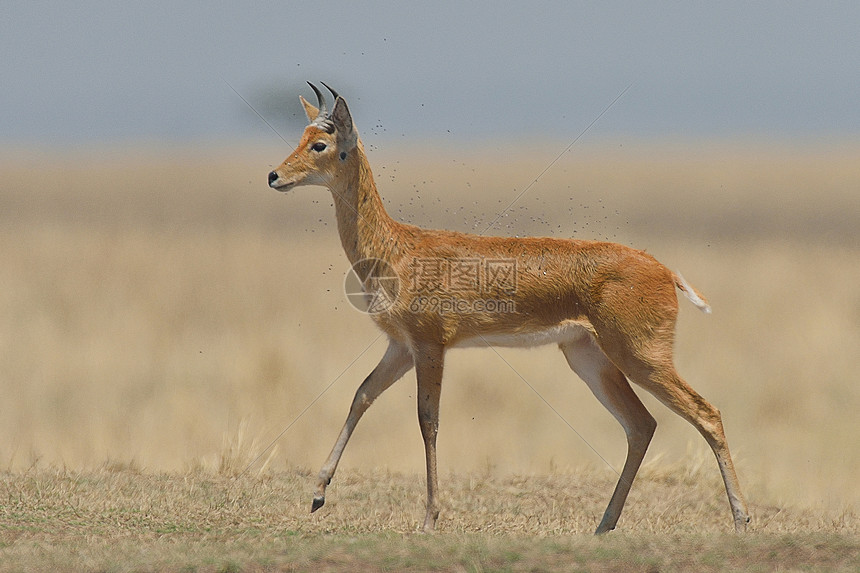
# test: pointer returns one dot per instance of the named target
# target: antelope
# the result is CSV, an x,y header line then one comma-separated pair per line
x,y
611,309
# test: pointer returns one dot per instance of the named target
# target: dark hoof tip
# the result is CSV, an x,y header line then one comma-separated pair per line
x,y
318,503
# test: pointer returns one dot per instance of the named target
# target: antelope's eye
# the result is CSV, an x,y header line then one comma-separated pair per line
x,y
318,146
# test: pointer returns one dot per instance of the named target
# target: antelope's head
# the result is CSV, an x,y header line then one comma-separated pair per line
x,y
327,143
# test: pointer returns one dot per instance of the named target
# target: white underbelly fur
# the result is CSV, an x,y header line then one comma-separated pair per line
x,y
567,331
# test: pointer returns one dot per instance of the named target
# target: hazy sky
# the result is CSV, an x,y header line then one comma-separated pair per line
x,y
90,72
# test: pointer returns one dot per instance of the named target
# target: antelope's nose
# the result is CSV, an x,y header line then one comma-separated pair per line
x,y
273,176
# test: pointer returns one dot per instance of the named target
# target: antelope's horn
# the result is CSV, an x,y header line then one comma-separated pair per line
x,y
333,93
320,101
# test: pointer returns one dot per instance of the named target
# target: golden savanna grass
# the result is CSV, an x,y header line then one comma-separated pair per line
x,y
164,317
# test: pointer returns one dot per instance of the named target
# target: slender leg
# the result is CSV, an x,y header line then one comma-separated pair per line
x,y
396,362
428,366
668,387
611,388
639,342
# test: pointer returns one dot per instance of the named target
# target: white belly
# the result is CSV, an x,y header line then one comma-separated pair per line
x,y
567,331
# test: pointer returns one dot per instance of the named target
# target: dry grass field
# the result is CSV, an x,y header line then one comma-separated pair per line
x,y
116,519
164,317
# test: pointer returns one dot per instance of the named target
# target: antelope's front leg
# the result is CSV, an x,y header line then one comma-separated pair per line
x,y
396,362
428,365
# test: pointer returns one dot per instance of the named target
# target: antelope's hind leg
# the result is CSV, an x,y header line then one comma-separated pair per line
x,y
396,362
666,385
611,388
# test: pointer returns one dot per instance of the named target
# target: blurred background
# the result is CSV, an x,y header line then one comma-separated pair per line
x,y
160,306
102,71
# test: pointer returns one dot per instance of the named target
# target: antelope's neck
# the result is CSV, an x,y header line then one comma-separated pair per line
x,y
366,230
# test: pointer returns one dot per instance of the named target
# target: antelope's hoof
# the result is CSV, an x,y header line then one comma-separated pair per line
x,y
317,503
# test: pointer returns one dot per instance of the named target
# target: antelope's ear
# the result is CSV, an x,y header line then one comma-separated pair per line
x,y
342,120
310,110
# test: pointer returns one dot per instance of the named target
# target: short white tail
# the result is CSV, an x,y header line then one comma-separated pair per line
x,y
692,294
